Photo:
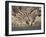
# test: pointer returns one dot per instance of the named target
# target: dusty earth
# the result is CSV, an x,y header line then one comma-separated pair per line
x,y
26,18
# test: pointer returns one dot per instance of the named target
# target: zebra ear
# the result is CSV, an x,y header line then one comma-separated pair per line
x,y
20,7
39,12
34,13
